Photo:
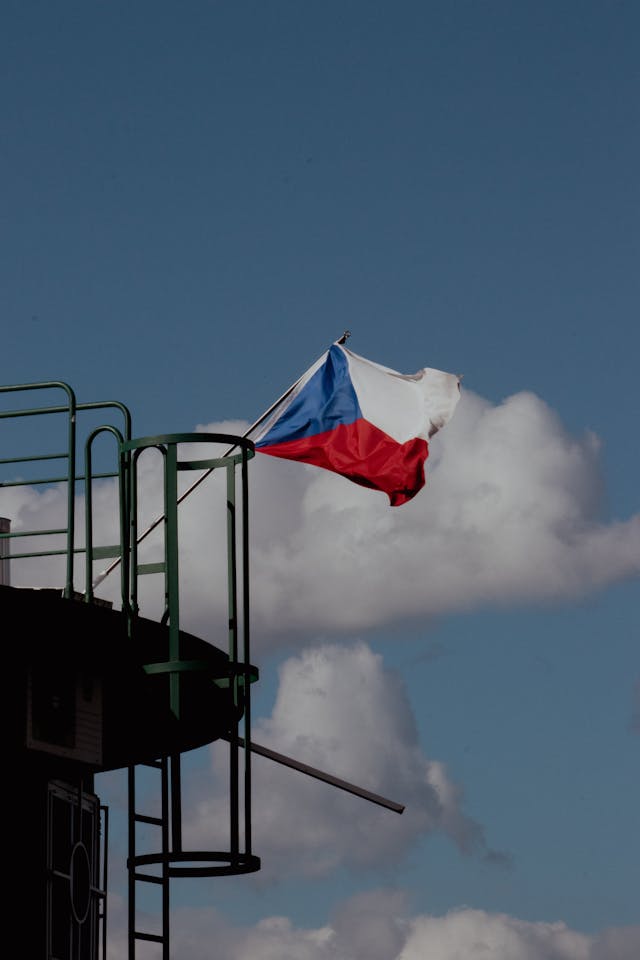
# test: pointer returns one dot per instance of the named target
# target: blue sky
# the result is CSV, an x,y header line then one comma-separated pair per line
x,y
197,199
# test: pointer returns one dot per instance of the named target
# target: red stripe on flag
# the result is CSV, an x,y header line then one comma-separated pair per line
x,y
364,454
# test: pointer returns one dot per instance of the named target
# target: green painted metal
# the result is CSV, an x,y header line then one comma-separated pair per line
x,y
198,666
71,411
121,549
239,674
246,651
172,583
175,456
146,568
106,552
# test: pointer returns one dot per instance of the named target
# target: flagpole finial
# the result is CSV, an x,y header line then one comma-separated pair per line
x,y
345,336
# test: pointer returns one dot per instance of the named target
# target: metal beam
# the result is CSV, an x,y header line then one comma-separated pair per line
x,y
321,775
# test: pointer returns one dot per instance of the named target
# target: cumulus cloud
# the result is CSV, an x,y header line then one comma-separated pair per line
x,y
377,926
616,943
339,709
476,934
512,512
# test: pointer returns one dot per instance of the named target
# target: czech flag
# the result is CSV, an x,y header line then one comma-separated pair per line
x,y
363,421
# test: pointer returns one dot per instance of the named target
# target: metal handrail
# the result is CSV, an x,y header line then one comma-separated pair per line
x,y
71,477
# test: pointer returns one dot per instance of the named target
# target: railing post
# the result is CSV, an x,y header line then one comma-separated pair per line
x,y
5,566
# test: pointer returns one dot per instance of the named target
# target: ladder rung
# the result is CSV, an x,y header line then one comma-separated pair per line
x,y
147,878
106,552
154,937
141,818
139,876
143,568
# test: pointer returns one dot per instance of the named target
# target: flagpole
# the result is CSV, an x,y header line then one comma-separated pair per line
x,y
203,476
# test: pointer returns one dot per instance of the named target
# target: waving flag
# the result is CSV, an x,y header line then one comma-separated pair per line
x,y
363,421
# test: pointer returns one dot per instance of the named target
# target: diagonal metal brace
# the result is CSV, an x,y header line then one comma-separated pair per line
x,y
321,775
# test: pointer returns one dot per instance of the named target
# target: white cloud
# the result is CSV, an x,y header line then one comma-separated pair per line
x,y
477,935
373,924
616,943
340,710
376,926
511,512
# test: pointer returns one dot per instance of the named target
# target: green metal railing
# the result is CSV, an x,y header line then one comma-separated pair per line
x,y
69,412
239,673
234,674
